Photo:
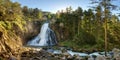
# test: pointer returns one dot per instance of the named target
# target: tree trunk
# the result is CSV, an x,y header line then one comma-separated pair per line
x,y
105,37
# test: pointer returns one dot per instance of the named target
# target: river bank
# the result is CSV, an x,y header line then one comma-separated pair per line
x,y
28,53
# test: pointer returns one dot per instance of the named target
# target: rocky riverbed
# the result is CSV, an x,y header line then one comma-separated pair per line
x,y
28,53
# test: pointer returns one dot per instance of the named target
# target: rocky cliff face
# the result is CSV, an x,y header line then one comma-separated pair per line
x,y
9,42
12,40
32,29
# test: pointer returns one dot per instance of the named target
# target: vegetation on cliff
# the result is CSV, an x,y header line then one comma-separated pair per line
x,y
11,25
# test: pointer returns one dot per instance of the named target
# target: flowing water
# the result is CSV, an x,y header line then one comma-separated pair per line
x,y
46,37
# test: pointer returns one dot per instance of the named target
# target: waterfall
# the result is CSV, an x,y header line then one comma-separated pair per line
x,y
46,37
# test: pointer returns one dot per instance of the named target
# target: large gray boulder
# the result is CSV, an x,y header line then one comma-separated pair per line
x,y
100,57
116,53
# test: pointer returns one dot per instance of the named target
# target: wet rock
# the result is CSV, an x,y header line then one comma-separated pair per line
x,y
100,57
69,57
12,58
90,58
66,54
117,58
77,57
36,58
116,52
26,58
63,58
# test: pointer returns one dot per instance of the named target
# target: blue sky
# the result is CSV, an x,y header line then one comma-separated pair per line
x,y
55,5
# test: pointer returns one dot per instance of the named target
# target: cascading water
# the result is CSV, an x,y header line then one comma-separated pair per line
x,y
46,37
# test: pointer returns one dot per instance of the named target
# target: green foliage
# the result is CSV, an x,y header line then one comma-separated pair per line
x,y
86,28
85,38
32,14
67,43
11,13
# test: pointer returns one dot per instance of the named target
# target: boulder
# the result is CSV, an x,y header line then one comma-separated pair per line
x,y
100,57
12,57
116,52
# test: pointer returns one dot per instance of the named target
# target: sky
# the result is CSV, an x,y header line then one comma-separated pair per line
x,y
55,5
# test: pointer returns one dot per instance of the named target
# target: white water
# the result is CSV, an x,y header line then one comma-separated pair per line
x,y
46,37
72,53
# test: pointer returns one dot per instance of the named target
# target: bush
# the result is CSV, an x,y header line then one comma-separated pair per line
x,y
84,38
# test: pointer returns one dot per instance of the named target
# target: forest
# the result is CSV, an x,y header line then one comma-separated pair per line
x,y
97,28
